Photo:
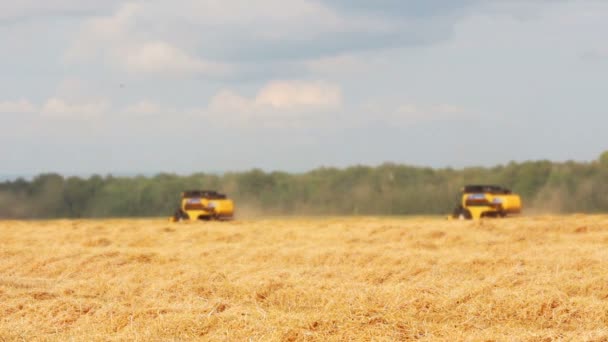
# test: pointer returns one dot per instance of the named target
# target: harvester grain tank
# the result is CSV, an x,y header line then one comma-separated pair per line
x,y
479,201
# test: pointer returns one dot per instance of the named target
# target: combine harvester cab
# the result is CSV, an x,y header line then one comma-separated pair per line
x,y
204,205
479,201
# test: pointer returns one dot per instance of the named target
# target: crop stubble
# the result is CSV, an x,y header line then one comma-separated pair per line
x,y
531,279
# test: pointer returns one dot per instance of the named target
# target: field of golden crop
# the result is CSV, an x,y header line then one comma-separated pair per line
x,y
523,279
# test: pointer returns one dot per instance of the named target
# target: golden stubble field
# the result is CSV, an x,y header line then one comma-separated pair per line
x,y
525,279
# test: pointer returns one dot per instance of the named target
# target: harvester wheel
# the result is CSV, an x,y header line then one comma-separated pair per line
x,y
457,211
461,213
464,214
180,215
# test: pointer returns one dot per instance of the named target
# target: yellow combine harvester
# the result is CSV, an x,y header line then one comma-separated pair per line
x,y
204,205
479,201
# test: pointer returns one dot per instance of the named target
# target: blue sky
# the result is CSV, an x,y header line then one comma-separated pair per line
x,y
209,85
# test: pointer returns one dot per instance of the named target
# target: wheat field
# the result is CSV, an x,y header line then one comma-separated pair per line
x,y
305,279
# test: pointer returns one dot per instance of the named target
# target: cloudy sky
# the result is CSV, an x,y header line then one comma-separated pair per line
x,y
214,85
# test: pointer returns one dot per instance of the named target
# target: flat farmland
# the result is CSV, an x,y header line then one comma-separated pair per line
x,y
298,279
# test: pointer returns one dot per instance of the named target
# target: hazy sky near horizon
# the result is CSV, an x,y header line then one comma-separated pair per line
x,y
214,85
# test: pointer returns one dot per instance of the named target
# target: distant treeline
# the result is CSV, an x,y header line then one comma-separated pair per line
x,y
387,189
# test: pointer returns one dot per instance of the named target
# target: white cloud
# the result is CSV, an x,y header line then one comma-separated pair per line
x,y
216,38
287,95
160,57
17,107
60,109
116,40
281,102
278,103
